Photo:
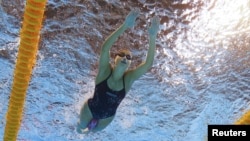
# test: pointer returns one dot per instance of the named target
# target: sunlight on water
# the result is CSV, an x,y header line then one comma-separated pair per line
x,y
217,25
223,19
217,20
202,36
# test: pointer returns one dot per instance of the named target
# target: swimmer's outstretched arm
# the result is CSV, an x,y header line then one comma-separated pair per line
x,y
128,23
145,66
153,30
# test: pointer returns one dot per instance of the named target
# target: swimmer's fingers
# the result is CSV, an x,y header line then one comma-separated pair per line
x,y
131,17
154,28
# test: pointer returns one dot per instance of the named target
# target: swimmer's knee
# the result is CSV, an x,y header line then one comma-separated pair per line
x,y
83,122
80,127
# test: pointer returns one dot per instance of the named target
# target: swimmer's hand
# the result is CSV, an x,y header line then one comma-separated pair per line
x,y
154,28
131,17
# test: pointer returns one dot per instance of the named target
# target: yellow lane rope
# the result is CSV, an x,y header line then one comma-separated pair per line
x,y
29,40
245,119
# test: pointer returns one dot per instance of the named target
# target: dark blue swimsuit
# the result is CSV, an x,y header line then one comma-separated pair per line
x,y
105,101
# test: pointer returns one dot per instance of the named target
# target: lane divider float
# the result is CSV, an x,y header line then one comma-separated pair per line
x,y
26,58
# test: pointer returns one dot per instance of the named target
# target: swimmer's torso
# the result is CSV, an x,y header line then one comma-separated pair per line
x,y
105,100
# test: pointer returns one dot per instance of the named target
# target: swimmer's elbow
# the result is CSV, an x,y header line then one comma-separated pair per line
x,y
148,64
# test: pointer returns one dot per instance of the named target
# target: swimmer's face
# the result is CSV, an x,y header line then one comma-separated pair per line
x,y
123,58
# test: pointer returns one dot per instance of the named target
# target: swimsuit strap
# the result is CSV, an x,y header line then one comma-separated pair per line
x,y
109,75
123,82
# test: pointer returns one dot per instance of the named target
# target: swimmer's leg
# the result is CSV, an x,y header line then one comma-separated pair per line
x,y
85,117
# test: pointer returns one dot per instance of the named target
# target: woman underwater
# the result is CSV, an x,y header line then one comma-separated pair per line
x,y
113,82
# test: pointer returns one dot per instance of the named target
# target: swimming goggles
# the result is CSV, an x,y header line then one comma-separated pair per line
x,y
122,54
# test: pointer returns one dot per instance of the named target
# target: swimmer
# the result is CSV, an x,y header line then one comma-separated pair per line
x,y
113,82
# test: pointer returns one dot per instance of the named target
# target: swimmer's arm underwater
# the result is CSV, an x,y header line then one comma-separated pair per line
x,y
153,30
129,22
145,66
